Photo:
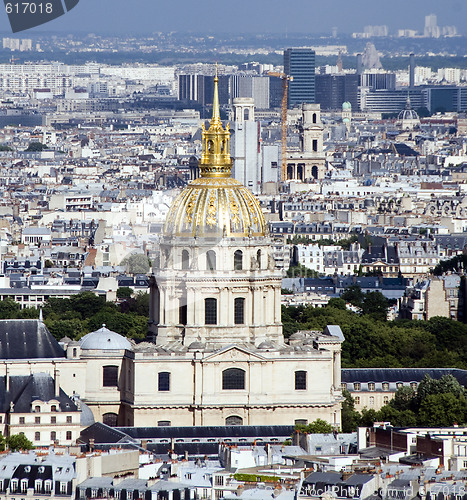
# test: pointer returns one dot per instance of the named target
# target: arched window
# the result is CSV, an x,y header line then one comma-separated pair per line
x,y
314,117
300,380
238,260
233,378
53,408
246,114
239,311
110,376
164,381
258,258
210,311
234,420
75,352
211,260
110,419
185,259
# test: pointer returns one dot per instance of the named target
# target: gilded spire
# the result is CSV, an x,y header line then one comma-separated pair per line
x,y
216,117
215,158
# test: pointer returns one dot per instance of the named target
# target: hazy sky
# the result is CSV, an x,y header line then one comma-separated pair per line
x,y
305,16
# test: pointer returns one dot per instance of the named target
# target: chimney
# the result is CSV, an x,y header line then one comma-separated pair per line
x,y
57,383
144,444
7,378
91,444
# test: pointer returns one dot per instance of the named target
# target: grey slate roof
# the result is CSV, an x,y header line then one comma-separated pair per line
x,y
376,375
27,339
24,389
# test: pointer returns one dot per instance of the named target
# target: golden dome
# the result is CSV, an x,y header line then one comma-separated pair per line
x,y
215,204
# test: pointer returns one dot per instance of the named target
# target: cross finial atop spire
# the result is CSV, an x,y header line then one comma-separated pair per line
x,y
216,117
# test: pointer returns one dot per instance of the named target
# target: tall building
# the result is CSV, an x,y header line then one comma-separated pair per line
x,y
253,162
431,27
299,63
332,90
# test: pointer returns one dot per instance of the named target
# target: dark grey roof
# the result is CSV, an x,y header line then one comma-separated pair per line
x,y
24,389
27,339
221,431
400,374
323,477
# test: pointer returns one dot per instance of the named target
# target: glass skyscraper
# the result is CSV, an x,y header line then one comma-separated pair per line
x,y
299,63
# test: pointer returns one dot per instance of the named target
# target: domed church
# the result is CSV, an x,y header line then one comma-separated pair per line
x,y
215,354
218,355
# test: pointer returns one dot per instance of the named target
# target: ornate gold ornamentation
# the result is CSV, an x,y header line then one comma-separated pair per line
x,y
234,212
252,209
211,211
190,209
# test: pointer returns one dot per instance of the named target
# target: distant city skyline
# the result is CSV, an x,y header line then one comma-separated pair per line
x,y
245,16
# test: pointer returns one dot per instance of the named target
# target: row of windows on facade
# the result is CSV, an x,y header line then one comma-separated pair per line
x,y
371,386
53,420
371,400
211,260
39,486
232,378
53,436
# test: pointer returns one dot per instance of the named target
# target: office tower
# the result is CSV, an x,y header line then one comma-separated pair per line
x,y
431,26
199,88
256,87
253,162
412,71
378,80
332,90
299,63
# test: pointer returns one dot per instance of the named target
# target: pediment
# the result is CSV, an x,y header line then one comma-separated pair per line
x,y
234,353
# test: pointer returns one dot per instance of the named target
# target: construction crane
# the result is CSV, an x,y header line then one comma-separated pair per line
x,y
285,87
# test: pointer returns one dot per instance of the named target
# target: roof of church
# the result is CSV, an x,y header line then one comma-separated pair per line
x,y
24,389
27,339
215,204
105,339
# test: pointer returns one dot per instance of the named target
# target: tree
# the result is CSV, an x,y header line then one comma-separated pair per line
x,y
87,303
36,146
354,295
17,442
124,292
349,416
442,410
398,418
318,426
136,263
403,399
9,309
375,304
336,302
368,417
300,271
